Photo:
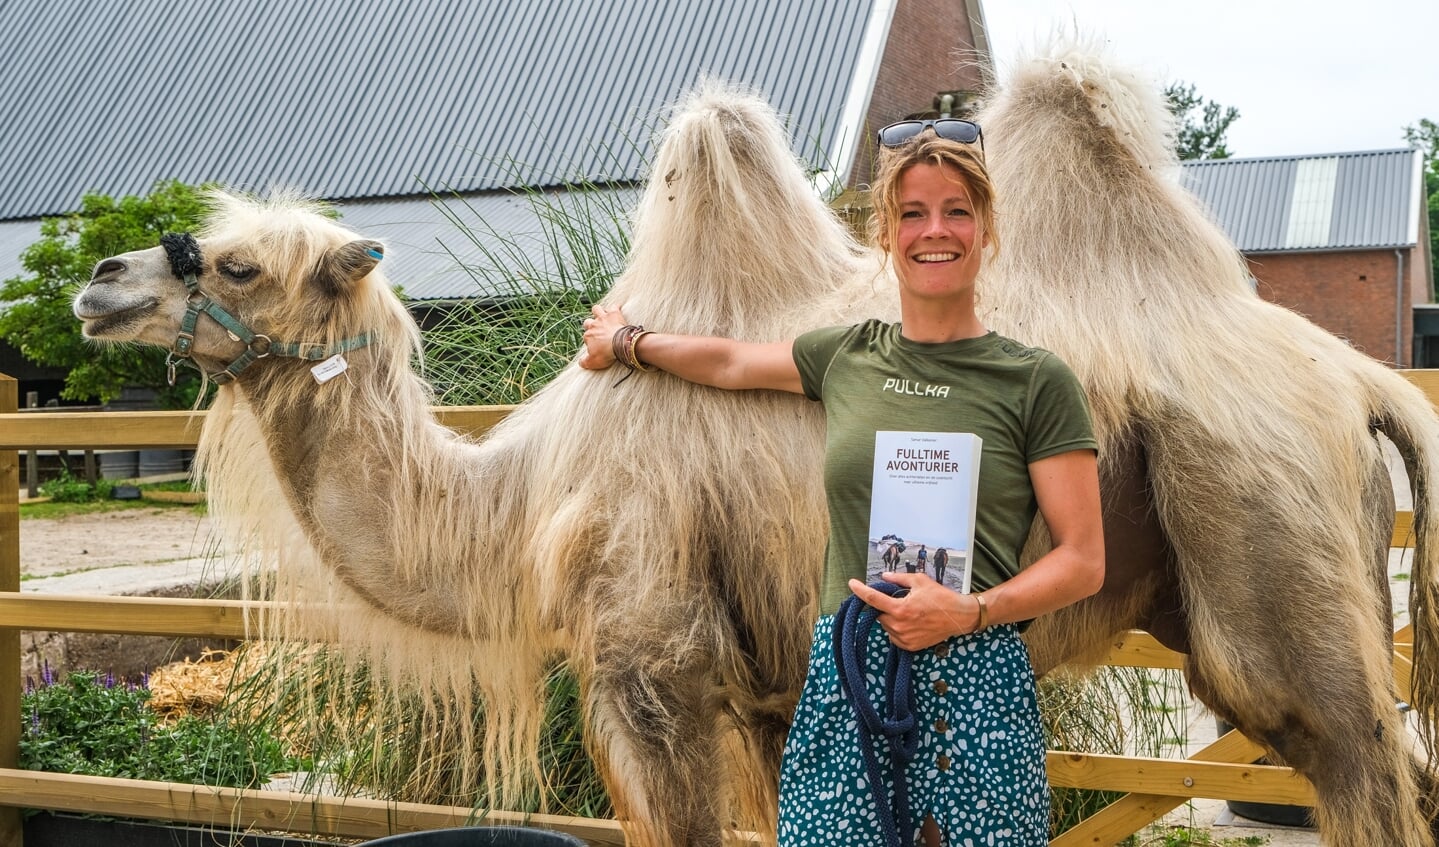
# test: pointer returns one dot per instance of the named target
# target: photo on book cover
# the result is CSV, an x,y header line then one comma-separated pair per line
x,y
922,505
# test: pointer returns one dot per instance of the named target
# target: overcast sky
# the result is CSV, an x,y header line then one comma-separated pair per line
x,y
1308,76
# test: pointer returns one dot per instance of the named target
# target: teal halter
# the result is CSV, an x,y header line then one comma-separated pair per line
x,y
186,263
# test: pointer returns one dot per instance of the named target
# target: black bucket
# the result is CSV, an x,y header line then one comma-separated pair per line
x,y
1275,813
479,836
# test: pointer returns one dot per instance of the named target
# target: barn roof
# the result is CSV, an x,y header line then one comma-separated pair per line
x,y
376,104
376,98
1340,201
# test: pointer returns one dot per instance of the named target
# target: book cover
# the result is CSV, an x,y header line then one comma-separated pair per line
x,y
922,505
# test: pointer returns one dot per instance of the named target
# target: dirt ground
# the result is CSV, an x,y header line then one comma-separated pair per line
x,y
55,546
153,551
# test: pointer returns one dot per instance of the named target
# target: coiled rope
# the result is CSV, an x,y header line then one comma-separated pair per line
x,y
897,727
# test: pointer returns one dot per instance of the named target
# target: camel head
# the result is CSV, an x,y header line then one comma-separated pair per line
x,y
266,281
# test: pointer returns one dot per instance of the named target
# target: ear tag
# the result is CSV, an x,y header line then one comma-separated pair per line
x,y
330,368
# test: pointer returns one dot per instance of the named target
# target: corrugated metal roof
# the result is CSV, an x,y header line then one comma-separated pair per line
x,y
377,98
455,247
1340,201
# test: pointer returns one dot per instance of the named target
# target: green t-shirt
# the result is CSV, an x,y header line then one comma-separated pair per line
x,y
1024,403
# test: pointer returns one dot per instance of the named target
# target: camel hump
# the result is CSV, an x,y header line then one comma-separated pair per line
x,y
730,236
726,155
1073,82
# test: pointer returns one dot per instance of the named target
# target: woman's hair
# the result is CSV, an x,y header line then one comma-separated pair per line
x,y
928,148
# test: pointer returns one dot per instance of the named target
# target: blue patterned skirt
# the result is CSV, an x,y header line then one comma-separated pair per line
x,y
979,771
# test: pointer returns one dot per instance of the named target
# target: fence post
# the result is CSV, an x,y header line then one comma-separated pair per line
x,y
10,822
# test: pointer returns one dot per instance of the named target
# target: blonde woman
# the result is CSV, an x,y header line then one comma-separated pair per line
x,y
977,775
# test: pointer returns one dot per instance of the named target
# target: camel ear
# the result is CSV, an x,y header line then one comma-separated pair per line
x,y
343,267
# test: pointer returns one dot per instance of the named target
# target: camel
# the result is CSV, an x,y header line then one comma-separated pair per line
x,y
892,556
410,533
1218,484
1248,511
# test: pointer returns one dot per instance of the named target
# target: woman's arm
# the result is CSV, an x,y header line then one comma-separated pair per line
x,y
720,362
1066,487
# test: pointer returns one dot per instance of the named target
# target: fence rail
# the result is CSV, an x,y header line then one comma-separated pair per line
x,y
1152,786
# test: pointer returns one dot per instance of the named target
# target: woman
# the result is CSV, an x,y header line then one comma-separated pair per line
x,y
979,772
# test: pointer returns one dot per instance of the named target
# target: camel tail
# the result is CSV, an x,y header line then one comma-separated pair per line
x,y
1406,416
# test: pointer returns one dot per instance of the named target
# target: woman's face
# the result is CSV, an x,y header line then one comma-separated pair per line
x,y
938,243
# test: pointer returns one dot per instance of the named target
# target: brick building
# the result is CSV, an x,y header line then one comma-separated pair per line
x,y
1339,238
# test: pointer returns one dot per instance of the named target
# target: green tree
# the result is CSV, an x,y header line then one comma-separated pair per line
x,y
1202,123
35,314
1424,136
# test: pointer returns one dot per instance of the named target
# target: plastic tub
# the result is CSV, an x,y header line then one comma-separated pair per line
x,y
479,836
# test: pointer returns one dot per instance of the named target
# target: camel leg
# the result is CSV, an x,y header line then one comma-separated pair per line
x,y
654,736
1428,794
761,738
1352,747
1310,677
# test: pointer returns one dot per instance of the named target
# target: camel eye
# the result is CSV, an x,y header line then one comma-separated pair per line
x,y
237,272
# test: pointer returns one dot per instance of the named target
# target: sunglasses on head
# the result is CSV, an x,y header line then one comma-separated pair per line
x,y
953,129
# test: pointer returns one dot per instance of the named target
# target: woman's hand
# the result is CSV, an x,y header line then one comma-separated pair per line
x,y
927,615
599,352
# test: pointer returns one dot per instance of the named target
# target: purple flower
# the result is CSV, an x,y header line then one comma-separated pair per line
x,y
47,675
110,680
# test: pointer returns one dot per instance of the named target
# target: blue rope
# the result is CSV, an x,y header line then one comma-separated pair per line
x,y
898,727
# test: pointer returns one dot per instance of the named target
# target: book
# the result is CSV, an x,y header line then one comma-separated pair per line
x,y
922,505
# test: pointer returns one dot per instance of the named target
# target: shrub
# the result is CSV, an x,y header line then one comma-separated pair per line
x,y
93,725
67,489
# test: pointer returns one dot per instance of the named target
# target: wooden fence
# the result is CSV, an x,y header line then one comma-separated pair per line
x,y
1153,787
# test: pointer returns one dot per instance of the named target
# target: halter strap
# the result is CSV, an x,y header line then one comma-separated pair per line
x,y
186,263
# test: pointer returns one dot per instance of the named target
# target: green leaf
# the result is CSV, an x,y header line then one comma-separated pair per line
x,y
35,314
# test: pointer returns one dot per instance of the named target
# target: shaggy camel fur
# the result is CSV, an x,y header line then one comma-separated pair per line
x,y
1248,509
671,535
668,535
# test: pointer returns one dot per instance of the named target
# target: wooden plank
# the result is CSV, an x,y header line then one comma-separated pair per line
x,y
10,822
1117,821
344,817
100,430
124,616
1137,649
190,497
1215,780
1403,676
472,420
1133,812
1403,534
136,430
1427,380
